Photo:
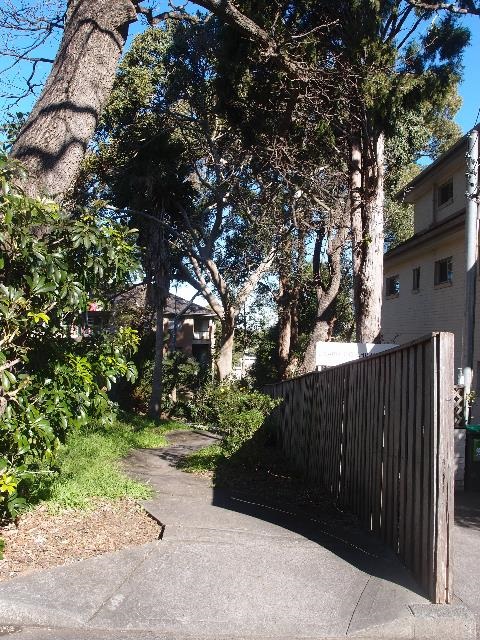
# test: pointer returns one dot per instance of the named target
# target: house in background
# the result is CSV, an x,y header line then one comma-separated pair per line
x,y
424,277
190,328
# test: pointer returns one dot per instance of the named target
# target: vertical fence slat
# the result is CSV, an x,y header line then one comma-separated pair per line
x,y
410,436
417,476
444,489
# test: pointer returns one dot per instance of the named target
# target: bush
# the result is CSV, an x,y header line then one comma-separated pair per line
x,y
239,428
51,264
180,371
236,413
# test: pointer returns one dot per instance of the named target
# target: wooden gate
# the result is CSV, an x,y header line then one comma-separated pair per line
x,y
377,434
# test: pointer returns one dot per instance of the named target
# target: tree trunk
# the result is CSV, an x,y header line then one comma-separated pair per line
x,y
369,316
224,362
157,251
284,326
53,141
320,333
155,404
367,236
291,263
326,293
284,340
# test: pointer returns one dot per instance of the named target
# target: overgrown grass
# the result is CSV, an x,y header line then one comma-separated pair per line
x,y
90,462
204,460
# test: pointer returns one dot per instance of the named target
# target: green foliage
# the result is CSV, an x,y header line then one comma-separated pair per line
x,y
89,462
265,368
183,372
11,126
235,412
203,461
51,264
180,371
238,428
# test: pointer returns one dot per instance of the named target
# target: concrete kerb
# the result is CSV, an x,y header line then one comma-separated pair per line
x,y
443,622
424,622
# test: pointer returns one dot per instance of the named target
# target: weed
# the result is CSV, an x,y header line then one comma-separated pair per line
x,y
203,461
89,463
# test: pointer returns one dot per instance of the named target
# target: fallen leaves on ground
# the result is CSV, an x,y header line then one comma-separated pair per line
x,y
42,539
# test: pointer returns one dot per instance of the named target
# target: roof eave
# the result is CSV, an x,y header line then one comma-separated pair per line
x,y
413,184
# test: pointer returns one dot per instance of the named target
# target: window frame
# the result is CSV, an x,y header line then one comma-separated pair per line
x,y
203,321
388,279
436,277
416,274
445,183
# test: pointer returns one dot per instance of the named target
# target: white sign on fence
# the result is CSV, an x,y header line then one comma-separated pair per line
x,y
331,354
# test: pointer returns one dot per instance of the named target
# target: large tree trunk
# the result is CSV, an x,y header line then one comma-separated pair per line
x,y
291,262
367,233
155,404
284,326
53,141
356,205
157,254
224,362
320,333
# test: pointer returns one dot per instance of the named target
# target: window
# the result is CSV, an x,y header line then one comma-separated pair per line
x,y
200,325
443,271
445,193
393,286
416,279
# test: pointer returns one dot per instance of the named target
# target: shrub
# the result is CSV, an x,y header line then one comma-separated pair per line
x,y
235,412
180,371
239,428
51,264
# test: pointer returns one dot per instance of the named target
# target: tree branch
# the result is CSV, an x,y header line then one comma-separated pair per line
x,y
453,7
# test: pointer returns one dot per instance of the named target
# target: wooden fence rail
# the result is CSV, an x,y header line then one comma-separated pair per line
x,y
377,434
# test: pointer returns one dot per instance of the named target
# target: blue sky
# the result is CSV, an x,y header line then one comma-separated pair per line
x,y
469,89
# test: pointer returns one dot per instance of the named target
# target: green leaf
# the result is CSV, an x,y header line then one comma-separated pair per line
x,y
16,505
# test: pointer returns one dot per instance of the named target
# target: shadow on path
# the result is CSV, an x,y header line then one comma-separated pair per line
x,y
269,493
467,510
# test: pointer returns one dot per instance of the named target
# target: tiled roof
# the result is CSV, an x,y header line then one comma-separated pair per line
x,y
175,305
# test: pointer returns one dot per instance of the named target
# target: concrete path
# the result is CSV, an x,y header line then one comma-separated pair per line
x,y
228,566
467,551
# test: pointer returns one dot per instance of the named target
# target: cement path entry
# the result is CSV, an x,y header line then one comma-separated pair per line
x,y
466,542
228,566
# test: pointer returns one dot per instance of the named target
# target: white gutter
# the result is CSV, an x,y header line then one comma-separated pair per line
x,y
471,253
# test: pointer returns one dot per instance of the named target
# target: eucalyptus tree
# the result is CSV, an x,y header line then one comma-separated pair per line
x,y
349,84
345,70
218,209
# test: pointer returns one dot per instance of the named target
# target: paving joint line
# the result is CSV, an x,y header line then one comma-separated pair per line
x,y
118,587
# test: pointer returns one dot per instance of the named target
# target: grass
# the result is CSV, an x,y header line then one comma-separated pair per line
x,y
203,461
89,464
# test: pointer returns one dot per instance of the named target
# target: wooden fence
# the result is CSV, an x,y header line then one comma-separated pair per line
x,y
377,434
